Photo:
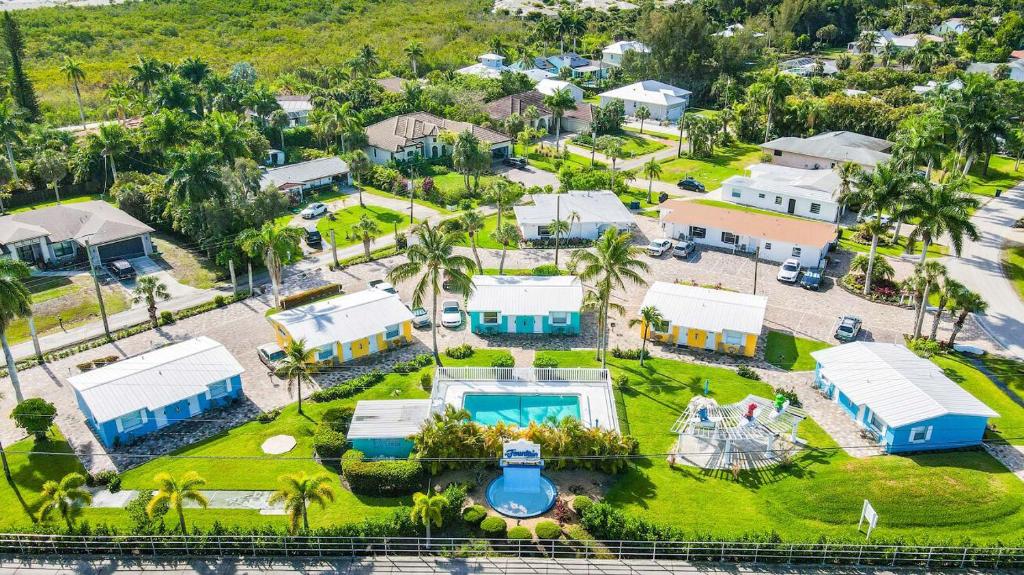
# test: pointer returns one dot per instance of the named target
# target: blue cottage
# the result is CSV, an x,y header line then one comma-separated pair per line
x,y
382,428
148,392
525,304
905,401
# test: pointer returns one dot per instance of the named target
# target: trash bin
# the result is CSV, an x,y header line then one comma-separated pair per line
x,y
999,192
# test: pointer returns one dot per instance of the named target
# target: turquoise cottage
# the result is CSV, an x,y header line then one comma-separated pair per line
x,y
383,428
525,304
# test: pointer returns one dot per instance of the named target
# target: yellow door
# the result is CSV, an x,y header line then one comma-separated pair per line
x,y
360,348
407,331
696,337
751,346
382,344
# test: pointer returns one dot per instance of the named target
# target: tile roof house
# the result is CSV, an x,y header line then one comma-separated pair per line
x,y
577,119
58,234
403,137
665,102
827,150
297,179
703,318
596,212
525,304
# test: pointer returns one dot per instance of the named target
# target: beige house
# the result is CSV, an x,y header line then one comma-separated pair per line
x,y
404,137
828,150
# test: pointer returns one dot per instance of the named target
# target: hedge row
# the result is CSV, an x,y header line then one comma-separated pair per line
x,y
386,478
348,388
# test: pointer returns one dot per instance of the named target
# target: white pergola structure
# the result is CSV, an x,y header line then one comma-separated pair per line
x,y
727,429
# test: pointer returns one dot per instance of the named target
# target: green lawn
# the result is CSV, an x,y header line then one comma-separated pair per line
x,y
547,163
374,191
649,209
657,132
1011,371
790,352
633,145
348,217
73,300
726,162
1001,176
454,183
515,272
1010,423
73,200
186,266
895,250
1013,267
739,208
484,239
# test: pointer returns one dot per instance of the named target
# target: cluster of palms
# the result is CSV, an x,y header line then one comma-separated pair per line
x,y
932,279
922,58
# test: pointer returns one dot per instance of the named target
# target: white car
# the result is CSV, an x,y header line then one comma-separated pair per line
x,y
313,210
382,286
658,248
886,220
420,318
451,313
790,271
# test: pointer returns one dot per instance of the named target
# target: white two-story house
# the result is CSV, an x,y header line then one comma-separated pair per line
x,y
812,194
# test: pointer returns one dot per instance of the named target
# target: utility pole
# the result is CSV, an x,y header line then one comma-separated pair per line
x,y
679,151
593,141
99,294
334,249
757,253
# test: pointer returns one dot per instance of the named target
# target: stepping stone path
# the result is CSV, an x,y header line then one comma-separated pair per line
x,y
278,444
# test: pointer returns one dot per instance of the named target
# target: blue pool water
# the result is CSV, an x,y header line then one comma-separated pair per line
x,y
508,497
520,410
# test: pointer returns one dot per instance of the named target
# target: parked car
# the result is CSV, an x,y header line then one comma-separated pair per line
x,y
688,183
811,278
313,239
314,210
848,328
270,354
382,286
515,162
121,269
451,313
968,349
420,318
865,217
790,271
658,248
683,249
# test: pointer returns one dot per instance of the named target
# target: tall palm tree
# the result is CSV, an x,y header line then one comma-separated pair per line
x,y
296,366
943,209
558,102
652,170
149,289
112,141
428,510
875,192
947,292
505,234
146,73
194,175
275,245
928,275
848,173
9,125
15,302
558,228
611,146
74,74
174,493
366,229
473,224
611,264
919,142
66,497
279,120
965,302
228,134
434,260
298,491
503,195
344,120
52,166
414,52
772,88
642,113
866,41
650,319
359,165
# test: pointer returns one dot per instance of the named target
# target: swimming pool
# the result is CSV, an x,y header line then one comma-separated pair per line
x,y
520,410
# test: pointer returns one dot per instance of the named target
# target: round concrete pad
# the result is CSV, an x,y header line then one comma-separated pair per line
x,y
278,444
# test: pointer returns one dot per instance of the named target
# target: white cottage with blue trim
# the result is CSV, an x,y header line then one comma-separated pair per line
x,y
906,401
145,393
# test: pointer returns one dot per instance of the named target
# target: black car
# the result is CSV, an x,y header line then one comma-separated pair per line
x,y
691,184
515,162
313,239
122,269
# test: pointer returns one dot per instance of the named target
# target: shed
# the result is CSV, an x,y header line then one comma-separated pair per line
x,y
525,304
383,428
704,318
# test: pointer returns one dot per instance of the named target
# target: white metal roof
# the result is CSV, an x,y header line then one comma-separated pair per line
x,y
549,86
900,387
526,295
388,418
303,172
156,378
597,207
343,319
711,310
294,104
624,46
815,185
649,92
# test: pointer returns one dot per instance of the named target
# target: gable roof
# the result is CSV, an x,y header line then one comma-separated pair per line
x,y
526,295
155,379
895,383
96,221
624,46
742,221
517,104
304,172
649,92
397,132
388,418
707,309
593,207
344,318
294,104
836,146
548,86
815,185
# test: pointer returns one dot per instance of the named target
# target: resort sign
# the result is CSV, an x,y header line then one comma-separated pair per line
x,y
520,452
868,513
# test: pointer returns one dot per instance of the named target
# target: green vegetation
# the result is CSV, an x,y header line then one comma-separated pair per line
x,y
1001,176
657,132
1010,371
1013,267
71,200
892,249
72,300
1010,423
345,219
726,162
632,146
424,203
790,352
546,160
484,240
186,266
748,209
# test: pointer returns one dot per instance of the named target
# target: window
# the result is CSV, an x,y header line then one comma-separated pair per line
x,y
219,389
736,194
729,238
815,208
392,331
544,231
768,245
733,337
778,200
920,434
324,353
489,317
796,252
63,249
777,152
131,421
875,422
559,317
760,196
696,232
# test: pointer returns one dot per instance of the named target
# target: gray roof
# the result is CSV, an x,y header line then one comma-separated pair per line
x,y
96,221
388,418
304,172
596,207
836,146
398,132
294,104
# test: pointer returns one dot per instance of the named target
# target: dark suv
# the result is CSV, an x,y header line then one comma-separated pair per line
x,y
121,269
691,184
515,162
314,239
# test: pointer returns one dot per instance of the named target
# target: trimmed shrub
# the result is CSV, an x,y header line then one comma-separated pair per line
x,y
474,514
504,359
166,317
630,353
424,359
386,478
547,270
545,361
348,388
328,443
338,418
109,478
548,530
463,351
220,301
520,532
268,416
748,373
427,381
494,527
581,502
35,415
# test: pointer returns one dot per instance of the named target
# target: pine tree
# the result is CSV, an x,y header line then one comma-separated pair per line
x,y
21,87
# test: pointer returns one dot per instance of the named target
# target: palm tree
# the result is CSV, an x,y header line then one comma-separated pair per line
x,y
275,245
876,192
965,302
848,173
772,87
558,228
927,274
66,497
558,102
194,174
611,264
650,319
414,52
942,209
146,73
9,124
15,302
52,166
295,366
279,120
74,74
880,270
433,260
948,290
228,134
148,289
919,142
366,229
344,119
866,41
652,170
112,141
611,146
473,224
642,113
174,493
298,491
359,165
427,510
503,195
505,234
876,229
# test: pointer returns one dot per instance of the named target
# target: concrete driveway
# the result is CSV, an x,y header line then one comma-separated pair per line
x,y
145,266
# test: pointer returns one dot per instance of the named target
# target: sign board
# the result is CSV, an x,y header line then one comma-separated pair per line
x,y
868,513
520,452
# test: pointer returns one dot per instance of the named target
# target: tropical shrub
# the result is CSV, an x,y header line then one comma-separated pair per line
x,y
338,418
520,532
924,347
546,270
548,530
504,359
219,301
474,514
463,351
348,388
108,478
385,478
790,396
35,415
427,381
747,372
166,317
545,361
581,502
494,527
268,416
328,443
630,353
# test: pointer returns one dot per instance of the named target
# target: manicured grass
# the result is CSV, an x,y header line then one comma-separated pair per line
x,y
187,267
726,162
344,220
376,192
1001,176
656,131
71,299
1013,267
1011,371
790,352
748,209
547,162
633,145
73,200
649,209
1010,423
454,182
484,240
895,250
514,272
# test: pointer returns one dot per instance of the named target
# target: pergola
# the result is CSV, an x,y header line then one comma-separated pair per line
x,y
752,421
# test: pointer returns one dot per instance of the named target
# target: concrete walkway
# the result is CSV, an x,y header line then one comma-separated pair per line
x,y
219,499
